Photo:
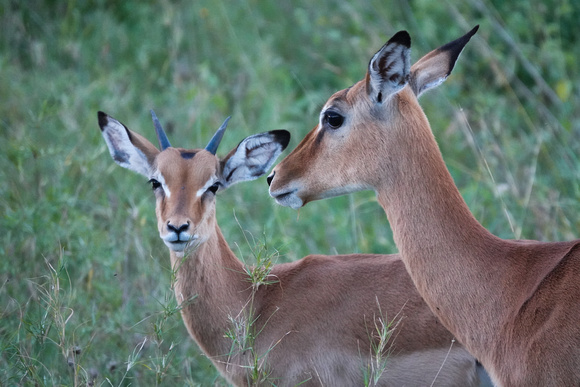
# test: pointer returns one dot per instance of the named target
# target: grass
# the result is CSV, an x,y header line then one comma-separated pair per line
x,y
379,351
85,283
243,331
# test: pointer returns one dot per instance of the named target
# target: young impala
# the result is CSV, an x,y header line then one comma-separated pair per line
x,y
515,305
314,319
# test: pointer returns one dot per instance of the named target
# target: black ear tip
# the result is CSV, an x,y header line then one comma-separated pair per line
x,y
465,38
103,119
282,137
401,37
473,30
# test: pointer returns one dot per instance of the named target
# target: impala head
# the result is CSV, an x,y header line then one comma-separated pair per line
x,y
361,130
185,181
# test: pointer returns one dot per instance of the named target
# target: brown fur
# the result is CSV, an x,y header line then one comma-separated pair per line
x,y
315,323
307,316
513,304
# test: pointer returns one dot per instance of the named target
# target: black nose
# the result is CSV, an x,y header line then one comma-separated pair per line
x,y
178,230
269,178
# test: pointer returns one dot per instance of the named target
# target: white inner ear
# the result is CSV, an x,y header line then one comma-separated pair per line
x,y
122,150
396,62
259,151
253,157
396,59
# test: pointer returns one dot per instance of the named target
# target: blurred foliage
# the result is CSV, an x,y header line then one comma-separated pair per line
x,y
507,121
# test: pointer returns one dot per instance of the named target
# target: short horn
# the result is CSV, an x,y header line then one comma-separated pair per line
x,y
217,138
161,136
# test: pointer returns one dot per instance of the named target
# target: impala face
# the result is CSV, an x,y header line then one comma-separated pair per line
x,y
362,130
185,181
323,164
348,135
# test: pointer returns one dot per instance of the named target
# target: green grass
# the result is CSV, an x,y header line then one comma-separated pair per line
x,y
384,328
85,283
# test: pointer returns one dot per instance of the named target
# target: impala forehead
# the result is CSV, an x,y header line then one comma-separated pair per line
x,y
337,102
186,169
340,96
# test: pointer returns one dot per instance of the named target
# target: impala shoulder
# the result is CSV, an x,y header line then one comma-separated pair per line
x,y
572,255
313,260
557,266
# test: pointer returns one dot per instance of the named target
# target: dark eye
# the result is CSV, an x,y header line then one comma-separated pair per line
x,y
155,184
213,189
333,119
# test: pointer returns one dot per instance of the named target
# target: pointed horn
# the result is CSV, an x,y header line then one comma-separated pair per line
x,y
161,136
217,138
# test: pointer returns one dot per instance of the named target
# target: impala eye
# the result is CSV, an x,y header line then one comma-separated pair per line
x,y
333,119
213,189
154,184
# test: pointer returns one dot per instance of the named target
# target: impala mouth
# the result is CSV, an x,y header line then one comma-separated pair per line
x,y
179,242
288,199
284,195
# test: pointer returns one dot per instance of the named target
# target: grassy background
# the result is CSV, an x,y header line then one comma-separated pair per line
x,y
84,280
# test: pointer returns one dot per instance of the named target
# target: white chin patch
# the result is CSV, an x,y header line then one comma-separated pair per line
x,y
179,245
176,246
291,200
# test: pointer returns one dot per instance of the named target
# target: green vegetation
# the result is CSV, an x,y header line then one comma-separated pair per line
x,y
244,330
379,351
85,283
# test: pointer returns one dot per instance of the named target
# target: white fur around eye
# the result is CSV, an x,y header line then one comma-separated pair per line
x,y
321,116
319,128
212,180
159,177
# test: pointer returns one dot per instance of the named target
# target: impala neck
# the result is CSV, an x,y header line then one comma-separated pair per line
x,y
455,263
212,286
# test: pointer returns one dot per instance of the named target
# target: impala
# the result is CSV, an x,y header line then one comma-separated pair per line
x,y
515,305
314,319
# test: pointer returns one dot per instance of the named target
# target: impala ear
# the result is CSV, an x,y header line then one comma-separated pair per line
x,y
388,70
253,157
129,149
434,68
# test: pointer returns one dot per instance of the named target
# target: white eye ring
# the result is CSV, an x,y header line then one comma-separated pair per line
x,y
209,186
157,181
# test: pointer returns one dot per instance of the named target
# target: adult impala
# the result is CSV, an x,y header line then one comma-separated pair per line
x,y
315,321
515,305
